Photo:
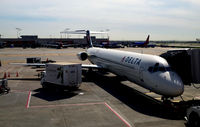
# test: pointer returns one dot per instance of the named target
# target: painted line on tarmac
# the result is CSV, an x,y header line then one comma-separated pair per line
x,y
197,97
18,91
176,101
149,93
29,99
79,104
158,98
64,105
118,115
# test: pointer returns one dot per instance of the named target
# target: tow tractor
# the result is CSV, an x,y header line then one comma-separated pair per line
x,y
4,86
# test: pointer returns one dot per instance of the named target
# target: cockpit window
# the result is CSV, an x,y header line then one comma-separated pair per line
x,y
162,69
158,67
168,69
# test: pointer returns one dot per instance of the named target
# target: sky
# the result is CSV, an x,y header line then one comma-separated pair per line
x,y
125,19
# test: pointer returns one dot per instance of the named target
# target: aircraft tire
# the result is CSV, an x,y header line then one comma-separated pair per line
x,y
194,120
73,88
44,85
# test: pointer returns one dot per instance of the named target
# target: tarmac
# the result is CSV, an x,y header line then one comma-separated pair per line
x,y
103,99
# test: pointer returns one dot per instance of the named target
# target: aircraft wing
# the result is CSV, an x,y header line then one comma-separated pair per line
x,y
91,66
30,64
43,64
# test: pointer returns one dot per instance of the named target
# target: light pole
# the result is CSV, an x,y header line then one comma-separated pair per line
x,y
0,37
102,34
18,30
66,31
107,30
61,35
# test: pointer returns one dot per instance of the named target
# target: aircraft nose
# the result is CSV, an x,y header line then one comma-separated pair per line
x,y
176,84
172,84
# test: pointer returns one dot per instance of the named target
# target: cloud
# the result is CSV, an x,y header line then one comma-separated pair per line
x,y
117,15
191,1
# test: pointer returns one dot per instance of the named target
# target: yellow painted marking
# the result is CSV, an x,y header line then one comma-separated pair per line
x,y
158,98
197,98
149,93
175,100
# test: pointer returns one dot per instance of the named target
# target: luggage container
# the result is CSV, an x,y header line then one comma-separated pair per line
x,y
66,75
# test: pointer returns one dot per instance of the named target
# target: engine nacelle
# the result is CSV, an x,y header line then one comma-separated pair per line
x,y
82,56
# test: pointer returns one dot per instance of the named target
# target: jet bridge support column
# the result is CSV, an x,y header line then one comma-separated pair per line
x,y
195,65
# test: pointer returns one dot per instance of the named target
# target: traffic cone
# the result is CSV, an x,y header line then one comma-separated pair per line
x,y
17,74
5,76
8,74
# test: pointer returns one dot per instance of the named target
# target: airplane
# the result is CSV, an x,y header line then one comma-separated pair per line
x,y
57,45
143,44
109,45
148,71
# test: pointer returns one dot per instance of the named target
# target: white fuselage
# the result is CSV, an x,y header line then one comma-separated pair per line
x,y
149,71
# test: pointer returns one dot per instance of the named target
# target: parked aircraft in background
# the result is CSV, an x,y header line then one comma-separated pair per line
x,y
109,45
59,45
143,44
2,44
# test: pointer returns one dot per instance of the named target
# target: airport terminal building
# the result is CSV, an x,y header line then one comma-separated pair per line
x,y
34,41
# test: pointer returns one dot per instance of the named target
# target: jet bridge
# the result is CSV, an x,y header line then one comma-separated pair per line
x,y
186,63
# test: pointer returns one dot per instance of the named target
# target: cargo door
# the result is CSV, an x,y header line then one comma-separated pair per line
x,y
73,75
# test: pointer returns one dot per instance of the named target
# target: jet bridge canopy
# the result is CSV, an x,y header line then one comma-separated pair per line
x,y
186,63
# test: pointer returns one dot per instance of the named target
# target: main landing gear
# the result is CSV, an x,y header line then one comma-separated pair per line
x,y
166,99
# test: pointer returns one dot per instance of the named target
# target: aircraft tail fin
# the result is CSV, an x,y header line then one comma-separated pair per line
x,y
89,40
147,41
